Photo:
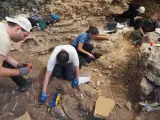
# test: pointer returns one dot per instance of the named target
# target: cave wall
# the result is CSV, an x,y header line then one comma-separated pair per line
x,y
65,8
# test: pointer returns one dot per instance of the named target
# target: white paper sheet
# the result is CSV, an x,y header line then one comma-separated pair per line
x,y
84,79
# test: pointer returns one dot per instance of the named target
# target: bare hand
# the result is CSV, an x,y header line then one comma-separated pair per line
x,y
91,55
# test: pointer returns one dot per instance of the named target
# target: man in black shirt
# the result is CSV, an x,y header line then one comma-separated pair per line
x,y
147,25
132,14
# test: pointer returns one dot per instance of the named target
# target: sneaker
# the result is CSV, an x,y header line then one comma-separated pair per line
x,y
23,88
85,64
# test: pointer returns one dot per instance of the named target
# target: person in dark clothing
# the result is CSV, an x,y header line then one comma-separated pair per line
x,y
132,14
147,25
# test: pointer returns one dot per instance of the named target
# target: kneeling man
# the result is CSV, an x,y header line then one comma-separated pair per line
x,y
64,63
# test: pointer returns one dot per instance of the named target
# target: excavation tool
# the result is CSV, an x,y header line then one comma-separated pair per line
x,y
150,107
11,113
34,95
55,100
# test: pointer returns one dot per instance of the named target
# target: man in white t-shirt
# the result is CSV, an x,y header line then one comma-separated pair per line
x,y
16,29
63,62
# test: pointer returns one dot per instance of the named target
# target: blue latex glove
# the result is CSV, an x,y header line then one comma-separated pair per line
x,y
43,97
75,83
55,16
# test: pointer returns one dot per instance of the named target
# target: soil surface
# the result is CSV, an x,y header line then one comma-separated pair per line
x,y
113,84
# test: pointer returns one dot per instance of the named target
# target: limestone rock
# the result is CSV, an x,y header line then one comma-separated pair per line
x,y
146,87
26,116
70,106
153,78
103,107
128,105
89,91
58,112
98,83
152,36
66,88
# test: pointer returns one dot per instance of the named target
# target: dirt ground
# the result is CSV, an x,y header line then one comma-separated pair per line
x,y
113,84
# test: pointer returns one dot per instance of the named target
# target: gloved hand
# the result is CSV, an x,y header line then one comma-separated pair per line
x,y
20,65
75,83
24,71
43,97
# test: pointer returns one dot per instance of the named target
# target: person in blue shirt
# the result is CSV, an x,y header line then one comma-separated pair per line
x,y
82,43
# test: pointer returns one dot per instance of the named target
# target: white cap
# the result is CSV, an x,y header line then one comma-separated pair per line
x,y
21,21
141,9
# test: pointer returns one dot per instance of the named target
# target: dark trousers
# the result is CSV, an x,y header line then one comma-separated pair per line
x,y
84,57
19,80
66,72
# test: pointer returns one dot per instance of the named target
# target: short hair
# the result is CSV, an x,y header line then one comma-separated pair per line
x,y
155,13
11,24
62,57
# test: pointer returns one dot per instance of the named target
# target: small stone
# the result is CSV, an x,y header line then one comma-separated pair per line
x,y
119,105
27,93
122,75
13,91
115,75
108,81
128,105
98,83
17,87
107,72
110,67
102,81
5,107
82,97
95,70
100,75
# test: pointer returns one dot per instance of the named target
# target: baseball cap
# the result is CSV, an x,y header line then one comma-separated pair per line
x,y
141,9
21,21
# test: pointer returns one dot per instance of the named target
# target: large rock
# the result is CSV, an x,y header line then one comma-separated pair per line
x,y
87,90
152,36
153,78
149,68
71,108
59,113
103,107
146,87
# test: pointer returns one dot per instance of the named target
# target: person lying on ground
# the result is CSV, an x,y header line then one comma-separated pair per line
x,y
63,63
16,30
133,13
83,46
144,26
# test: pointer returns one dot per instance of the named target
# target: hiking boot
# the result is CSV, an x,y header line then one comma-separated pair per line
x,y
23,88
